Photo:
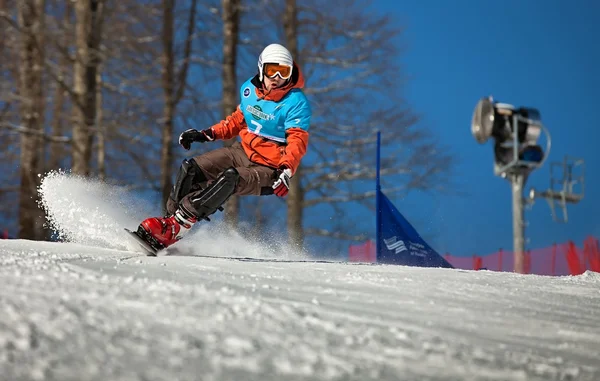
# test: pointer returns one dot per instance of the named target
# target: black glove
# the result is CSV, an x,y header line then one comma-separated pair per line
x,y
187,137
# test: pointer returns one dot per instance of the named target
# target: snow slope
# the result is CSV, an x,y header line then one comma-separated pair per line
x,y
88,309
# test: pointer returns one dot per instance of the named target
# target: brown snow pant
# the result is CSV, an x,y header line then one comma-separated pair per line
x,y
255,179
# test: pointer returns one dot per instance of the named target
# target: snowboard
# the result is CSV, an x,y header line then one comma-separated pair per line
x,y
143,244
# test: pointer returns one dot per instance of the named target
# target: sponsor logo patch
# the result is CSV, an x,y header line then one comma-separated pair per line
x,y
258,114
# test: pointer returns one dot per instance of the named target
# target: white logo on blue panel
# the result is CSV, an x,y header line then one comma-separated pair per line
x,y
393,244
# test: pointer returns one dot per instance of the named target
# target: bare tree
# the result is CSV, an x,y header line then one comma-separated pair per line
x,y
31,98
10,44
354,83
130,97
174,82
88,33
295,198
57,149
368,98
231,17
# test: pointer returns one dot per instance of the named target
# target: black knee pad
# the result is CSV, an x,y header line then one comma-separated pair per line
x,y
230,174
189,178
207,201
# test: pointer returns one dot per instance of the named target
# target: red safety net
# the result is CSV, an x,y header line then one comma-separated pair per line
x,y
364,252
558,259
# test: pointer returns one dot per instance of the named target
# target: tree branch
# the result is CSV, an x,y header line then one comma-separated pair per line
x,y
187,52
42,134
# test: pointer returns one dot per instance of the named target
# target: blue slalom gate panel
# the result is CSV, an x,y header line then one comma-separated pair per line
x,y
398,241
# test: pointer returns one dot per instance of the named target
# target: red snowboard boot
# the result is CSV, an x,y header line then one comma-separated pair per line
x,y
168,230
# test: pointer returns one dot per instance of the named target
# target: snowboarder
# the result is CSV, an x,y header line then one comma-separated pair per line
x,y
272,121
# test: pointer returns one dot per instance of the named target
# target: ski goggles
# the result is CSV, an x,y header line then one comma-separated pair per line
x,y
272,69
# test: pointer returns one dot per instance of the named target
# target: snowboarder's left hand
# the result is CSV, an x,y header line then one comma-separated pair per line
x,y
282,185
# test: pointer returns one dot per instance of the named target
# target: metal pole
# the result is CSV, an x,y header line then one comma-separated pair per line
x,y
517,181
377,200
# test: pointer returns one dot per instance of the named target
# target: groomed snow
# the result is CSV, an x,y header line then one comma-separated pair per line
x,y
88,309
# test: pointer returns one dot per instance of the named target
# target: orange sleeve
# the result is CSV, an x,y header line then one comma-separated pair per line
x,y
231,126
297,143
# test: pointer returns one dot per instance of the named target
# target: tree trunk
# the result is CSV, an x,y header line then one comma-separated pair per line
x,y
31,20
168,82
231,16
57,149
295,197
88,31
173,86
101,149
3,29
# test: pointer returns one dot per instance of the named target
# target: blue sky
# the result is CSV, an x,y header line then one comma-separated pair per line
x,y
543,54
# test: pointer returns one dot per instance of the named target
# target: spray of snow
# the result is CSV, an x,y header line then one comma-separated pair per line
x,y
95,213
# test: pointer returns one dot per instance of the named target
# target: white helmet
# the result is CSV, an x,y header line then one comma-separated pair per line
x,y
274,53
